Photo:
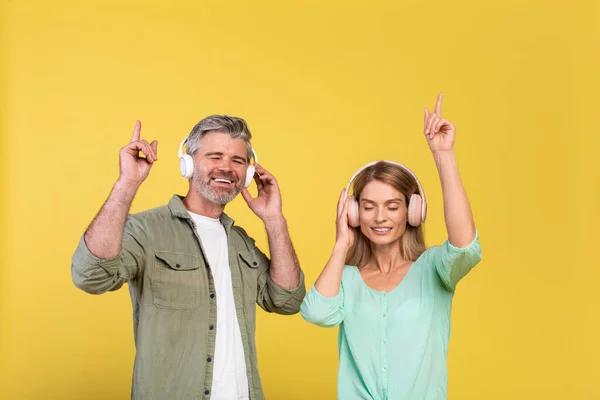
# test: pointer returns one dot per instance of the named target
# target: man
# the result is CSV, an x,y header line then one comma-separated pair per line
x,y
194,277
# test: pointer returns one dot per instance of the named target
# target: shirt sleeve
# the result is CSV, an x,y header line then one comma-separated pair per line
x,y
272,297
97,275
453,263
323,311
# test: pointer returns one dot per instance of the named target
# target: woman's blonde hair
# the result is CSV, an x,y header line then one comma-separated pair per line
x,y
412,242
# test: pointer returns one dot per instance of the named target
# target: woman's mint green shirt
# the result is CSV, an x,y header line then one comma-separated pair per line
x,y
394,345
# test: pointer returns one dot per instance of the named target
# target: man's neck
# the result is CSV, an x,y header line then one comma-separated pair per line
x,y
200,205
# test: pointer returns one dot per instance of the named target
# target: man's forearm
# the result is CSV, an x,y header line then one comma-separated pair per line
x,y
285,269
105,234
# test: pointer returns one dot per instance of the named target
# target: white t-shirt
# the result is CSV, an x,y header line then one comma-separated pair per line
x,y
229,371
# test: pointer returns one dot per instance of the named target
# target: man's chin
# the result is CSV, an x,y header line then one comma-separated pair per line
x,y
219,195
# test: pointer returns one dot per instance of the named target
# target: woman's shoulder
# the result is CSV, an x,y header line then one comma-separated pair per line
x,y
350,273
425,256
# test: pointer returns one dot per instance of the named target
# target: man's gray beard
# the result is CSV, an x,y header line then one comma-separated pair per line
x,y
211,194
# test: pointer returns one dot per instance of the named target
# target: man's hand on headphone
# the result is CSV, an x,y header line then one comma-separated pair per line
x,y
439,131
267,203
134,169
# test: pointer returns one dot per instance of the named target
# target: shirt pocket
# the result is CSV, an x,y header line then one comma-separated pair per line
x,y
176,280
249,263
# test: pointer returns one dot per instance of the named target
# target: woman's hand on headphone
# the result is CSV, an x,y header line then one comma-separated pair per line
x,y
344,235
134,169
438,131
267,203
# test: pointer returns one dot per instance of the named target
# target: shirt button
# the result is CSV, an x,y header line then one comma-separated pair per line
x,y
383,315
209,359
383,369
212,295
254,263
211,327
177,266
207,392
384,342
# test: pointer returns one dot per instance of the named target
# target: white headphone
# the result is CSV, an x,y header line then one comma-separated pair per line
x,y
417,206
186,165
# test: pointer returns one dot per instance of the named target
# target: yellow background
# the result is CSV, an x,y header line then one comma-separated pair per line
x,y
325,88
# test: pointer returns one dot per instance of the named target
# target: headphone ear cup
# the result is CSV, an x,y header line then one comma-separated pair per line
x,y
186,166
414,210
353,219
249,175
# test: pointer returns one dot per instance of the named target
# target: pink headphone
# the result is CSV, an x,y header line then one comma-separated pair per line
x,y
417,206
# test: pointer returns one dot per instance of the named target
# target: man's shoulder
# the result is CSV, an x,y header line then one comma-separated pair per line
x,y
160,211
242,235
150,219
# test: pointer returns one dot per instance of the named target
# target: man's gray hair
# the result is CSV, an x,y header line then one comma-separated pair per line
x,y
233,126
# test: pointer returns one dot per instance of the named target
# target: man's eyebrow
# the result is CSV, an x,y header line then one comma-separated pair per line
x,y
219,153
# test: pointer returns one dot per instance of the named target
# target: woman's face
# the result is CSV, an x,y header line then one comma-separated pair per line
x,y
383,213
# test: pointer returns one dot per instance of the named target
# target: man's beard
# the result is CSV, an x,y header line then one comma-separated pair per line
x,y
216,195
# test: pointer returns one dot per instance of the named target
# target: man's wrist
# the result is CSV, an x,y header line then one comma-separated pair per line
x,y
277,221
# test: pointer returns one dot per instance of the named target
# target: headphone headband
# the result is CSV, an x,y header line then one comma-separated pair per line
x,y
403,167
179,153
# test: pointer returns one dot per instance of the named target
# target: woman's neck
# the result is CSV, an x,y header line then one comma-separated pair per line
x,y
386,257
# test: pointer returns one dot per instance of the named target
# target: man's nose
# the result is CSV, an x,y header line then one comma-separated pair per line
x,y
224,165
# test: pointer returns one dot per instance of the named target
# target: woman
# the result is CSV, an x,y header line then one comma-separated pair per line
x,y
390,295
